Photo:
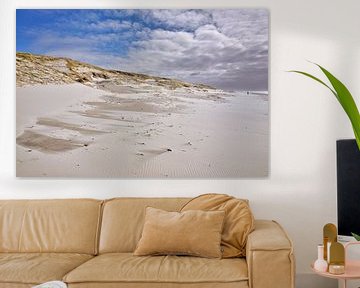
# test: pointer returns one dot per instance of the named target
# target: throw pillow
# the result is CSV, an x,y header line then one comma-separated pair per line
x,y
238,224
196,233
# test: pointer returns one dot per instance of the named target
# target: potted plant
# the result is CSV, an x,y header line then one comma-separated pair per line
x,y
344,97
346,100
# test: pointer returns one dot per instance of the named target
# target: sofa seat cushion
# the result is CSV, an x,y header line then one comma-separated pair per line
x,y
35,268
242,284
15,285
125,267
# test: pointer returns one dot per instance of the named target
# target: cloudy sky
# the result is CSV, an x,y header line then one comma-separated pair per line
x,y
224,48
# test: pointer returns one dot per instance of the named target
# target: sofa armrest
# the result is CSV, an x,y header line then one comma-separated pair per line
x,y
269,256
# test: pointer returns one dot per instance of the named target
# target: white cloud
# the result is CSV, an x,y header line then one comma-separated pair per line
x,y
232,52
225,48
109,24
186,19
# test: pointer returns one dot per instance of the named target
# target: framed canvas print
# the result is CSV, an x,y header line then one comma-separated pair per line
x,y
142,93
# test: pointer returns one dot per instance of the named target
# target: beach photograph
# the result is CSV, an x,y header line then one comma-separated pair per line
x,y
144,93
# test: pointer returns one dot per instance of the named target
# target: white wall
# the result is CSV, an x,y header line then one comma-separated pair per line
x,y
305,120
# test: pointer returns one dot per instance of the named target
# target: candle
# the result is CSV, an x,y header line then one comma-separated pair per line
x,y
336,269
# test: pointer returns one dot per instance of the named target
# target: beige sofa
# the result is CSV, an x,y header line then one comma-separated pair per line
x,y
89,243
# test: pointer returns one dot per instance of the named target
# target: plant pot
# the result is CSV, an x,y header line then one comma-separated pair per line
x,y
348,187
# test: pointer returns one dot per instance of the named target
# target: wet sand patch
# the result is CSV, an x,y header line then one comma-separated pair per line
x,y
69,126
155,152
134,106
46,144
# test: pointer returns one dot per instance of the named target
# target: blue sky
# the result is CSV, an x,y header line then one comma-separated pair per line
x,y
224,48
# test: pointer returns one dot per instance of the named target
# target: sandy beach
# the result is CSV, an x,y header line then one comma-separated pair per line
x,y
140,130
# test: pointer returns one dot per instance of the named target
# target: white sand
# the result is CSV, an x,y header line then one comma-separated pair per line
x,y
37,101
77,131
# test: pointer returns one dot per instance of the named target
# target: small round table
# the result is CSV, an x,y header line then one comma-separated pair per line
x,y
352,269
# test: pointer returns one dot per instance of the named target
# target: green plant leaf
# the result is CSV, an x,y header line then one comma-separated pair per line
x,y
357,137
344,97
316,79
356,236
347,102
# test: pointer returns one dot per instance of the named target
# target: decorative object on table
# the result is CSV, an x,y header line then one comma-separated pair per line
x,y
333,252
148,93
336,269
52,284
344,97
350,271
337,258
329,237
320,264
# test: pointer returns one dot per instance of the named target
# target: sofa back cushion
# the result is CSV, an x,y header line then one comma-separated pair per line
x,y
123,220
64,226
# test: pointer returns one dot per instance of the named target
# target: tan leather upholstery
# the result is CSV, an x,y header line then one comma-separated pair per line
x,y
73,225
35,268
15,285
123,220
125,268
68,226
269,255
242,284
